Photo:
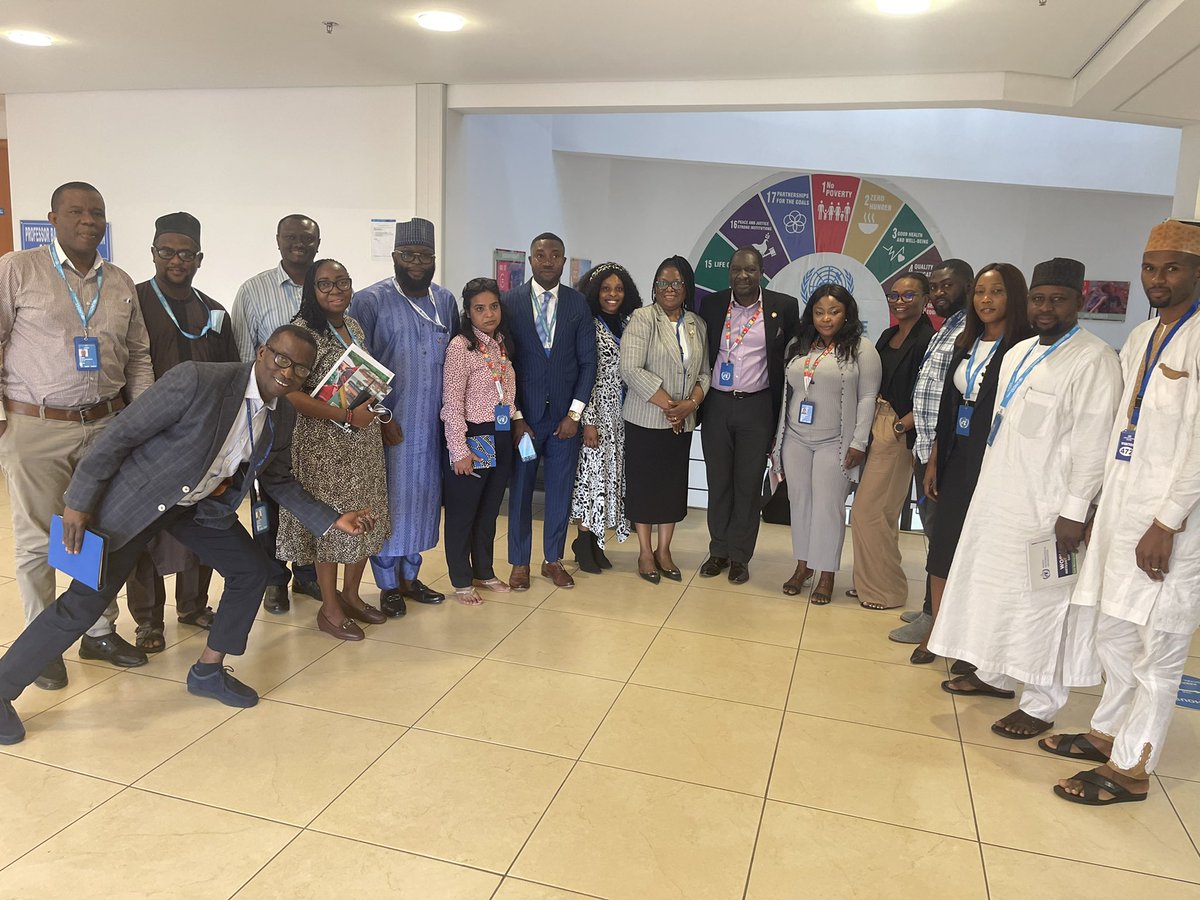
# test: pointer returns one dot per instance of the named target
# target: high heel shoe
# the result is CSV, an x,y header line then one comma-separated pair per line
x,y
799,579
599,552
584,555
673,574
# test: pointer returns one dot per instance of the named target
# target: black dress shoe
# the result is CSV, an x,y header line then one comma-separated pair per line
x,y
673,574
739,573
111,648
54,676
585,554
422,594
652,577
713,566
275,600
308,588
11,729
392,603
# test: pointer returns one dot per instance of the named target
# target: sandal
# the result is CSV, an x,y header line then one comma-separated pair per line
x,y
1020,717
979,687
852,593
1093,783
201,618
494,584
877,606
150,639
1068,743
467,596
792,586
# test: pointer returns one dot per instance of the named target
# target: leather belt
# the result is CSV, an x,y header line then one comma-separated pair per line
x,y
743,395
101,410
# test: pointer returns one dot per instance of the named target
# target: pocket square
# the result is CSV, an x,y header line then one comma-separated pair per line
x,y
1173,374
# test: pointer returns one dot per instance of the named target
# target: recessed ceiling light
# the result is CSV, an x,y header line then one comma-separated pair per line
x,y
436,20
903,7
30,38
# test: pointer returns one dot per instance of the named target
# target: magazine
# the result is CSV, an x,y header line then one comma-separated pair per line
x,y
355,373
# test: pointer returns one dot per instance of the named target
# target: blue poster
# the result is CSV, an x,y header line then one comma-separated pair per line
x,y
1189,692
39,233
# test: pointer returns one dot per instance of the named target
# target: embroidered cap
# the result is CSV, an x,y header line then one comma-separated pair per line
x,y
1059,271
414,232
178,223
1177,235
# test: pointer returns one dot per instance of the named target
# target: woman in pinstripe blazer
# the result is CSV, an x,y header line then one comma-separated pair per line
x,y
664,363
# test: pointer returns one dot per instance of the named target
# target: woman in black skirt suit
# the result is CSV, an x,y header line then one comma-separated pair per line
x,y
997,319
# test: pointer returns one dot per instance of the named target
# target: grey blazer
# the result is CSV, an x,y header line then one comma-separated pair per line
x,y
162,445
650,359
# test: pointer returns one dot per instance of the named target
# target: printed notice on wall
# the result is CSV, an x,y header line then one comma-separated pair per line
x,y
383,239
39,233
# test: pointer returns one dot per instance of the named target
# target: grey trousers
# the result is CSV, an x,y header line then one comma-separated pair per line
x,y
817,490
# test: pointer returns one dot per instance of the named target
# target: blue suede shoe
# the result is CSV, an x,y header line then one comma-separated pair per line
x,y
222,686
11,729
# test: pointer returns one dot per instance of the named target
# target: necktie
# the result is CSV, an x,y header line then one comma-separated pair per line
x,y
543,322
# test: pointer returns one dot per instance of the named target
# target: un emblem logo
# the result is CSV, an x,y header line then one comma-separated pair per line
x,y
823,275
501,419
964,424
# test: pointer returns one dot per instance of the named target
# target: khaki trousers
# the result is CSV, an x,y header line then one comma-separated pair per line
x,y
39,456
875,516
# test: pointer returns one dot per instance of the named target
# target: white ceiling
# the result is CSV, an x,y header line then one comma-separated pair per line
x,y
1141,68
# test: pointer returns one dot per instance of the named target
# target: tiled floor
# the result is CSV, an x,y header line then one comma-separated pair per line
x,y
618,740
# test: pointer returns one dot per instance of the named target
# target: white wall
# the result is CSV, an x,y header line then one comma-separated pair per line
x,y
239,160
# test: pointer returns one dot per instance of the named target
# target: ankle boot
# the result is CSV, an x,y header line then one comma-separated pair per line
x,y
584,554
601,559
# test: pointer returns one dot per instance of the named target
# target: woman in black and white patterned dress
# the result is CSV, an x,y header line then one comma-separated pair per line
x,y
598,502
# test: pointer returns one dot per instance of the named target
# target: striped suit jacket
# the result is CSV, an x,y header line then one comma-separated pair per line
x,y
650,359
161,446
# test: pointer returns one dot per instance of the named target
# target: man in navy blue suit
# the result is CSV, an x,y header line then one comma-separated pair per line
x,y
555,363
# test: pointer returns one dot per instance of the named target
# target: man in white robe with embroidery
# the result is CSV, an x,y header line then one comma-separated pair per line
x,y
1142,574
1042,470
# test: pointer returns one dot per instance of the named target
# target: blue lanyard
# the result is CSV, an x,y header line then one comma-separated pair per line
x,y
85,318
541,314
973,374
171,313
1150,365
270,426
340,339
1018,377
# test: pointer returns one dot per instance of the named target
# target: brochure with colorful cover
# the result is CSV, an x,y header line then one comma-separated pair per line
x,y
355,373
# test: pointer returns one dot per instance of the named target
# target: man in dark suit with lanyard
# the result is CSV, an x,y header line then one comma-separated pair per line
x,y
555,363
748,329
181,459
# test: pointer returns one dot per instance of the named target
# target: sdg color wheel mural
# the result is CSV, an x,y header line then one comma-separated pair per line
x,y
815,229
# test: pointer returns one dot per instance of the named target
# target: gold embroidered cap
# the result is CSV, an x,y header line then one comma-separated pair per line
x,y
1176,235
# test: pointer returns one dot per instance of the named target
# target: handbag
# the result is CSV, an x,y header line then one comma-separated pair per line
x,y
776,508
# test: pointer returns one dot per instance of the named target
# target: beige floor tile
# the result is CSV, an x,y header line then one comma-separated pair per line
x,y
874,773
621,834
40,801
305,871
1016,808
141,844
585,645
1015,875
873,693
452,627
376,680
274,653
976,716
79,679
458,800
624,599
516,889
121,728
1185,797
293,762
768,620
809,853
857,633
724,668
698,739
525,707
1181,750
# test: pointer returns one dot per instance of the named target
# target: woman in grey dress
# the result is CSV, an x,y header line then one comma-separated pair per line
x,y
832,377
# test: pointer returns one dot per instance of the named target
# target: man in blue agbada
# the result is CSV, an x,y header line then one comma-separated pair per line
x,y
408,321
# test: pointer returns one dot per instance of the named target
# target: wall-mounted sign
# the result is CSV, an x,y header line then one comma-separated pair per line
x,y
39,233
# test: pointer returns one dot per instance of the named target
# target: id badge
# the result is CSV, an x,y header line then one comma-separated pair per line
x,y
996,422
962,425
1125,445
503,417
87,354
261,517
725,376
806,412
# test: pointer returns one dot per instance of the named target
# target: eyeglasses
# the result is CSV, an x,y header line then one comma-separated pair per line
x,y
286,362
907,296
167,253
413,256
342,284
669,285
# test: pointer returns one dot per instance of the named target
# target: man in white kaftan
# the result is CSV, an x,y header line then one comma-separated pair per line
x,y
1142,574
1040,475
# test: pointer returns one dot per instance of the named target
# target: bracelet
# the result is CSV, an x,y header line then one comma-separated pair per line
x,y
349,416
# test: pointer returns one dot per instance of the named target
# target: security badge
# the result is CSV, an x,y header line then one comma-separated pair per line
x,y
261,517
807,408
1125,445
725,377
962,424
503,417
87,354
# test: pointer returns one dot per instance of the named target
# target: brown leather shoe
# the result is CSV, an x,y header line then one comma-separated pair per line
x,y
556,573
368,614
347,631
519,579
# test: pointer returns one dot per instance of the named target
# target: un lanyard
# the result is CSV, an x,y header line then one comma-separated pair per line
x,y
730,343
1149,365
1018,377
171,312
974,373
85,318
341,340
498,379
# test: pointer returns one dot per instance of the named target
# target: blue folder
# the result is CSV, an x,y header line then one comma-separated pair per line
x,y
86,566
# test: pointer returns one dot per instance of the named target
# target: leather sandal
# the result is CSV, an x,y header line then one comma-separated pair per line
x,y
1093,783
796,583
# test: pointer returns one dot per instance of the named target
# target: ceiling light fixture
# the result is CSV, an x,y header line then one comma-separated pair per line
x,y
435,20
30,38
903,7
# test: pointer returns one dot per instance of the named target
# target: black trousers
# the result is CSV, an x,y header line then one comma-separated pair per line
x,y
928,514
279,575
472,505
736,437
146,592
230,551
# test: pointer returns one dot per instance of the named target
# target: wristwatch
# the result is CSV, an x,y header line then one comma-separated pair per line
x,y
572,415
899,427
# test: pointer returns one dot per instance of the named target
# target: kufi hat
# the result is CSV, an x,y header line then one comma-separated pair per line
x,y
178,223
1058,271
418,232
1175,235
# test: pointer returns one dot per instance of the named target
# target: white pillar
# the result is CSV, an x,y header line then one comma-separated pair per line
x,y
1187,180
430,139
